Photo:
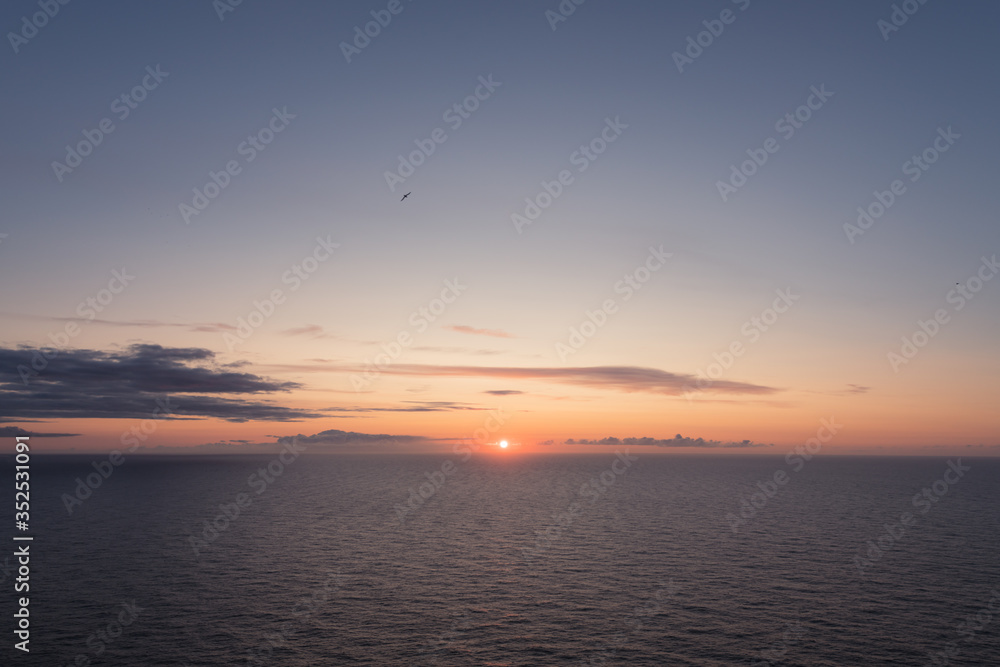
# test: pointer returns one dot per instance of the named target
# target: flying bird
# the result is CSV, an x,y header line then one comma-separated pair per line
x,y
406,195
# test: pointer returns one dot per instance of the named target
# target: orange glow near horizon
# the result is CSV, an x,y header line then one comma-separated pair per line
x,y
940,406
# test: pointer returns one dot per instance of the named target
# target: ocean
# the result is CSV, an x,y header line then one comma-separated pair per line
x,y
633,558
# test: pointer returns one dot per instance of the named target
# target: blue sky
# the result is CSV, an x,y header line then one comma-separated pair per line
x,y
655,185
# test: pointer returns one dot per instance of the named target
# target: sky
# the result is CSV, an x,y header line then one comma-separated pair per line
x,y
727,226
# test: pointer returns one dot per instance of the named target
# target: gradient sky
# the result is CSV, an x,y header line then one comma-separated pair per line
x,y
495,346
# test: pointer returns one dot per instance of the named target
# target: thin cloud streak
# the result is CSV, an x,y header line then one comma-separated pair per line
x,y
622,378
462,328
200,327
419,406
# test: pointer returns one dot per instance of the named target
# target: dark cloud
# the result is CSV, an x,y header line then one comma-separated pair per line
x,y
503,392
12,431
140,368
677,441
127,384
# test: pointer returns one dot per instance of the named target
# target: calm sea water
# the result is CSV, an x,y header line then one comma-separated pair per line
x,y
559,560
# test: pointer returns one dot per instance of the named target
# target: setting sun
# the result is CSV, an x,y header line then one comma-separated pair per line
x,y
312,341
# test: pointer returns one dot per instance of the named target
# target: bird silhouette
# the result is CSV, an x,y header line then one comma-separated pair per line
x,y
406,195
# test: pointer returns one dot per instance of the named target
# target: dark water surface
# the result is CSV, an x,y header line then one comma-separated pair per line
x,y
517,561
